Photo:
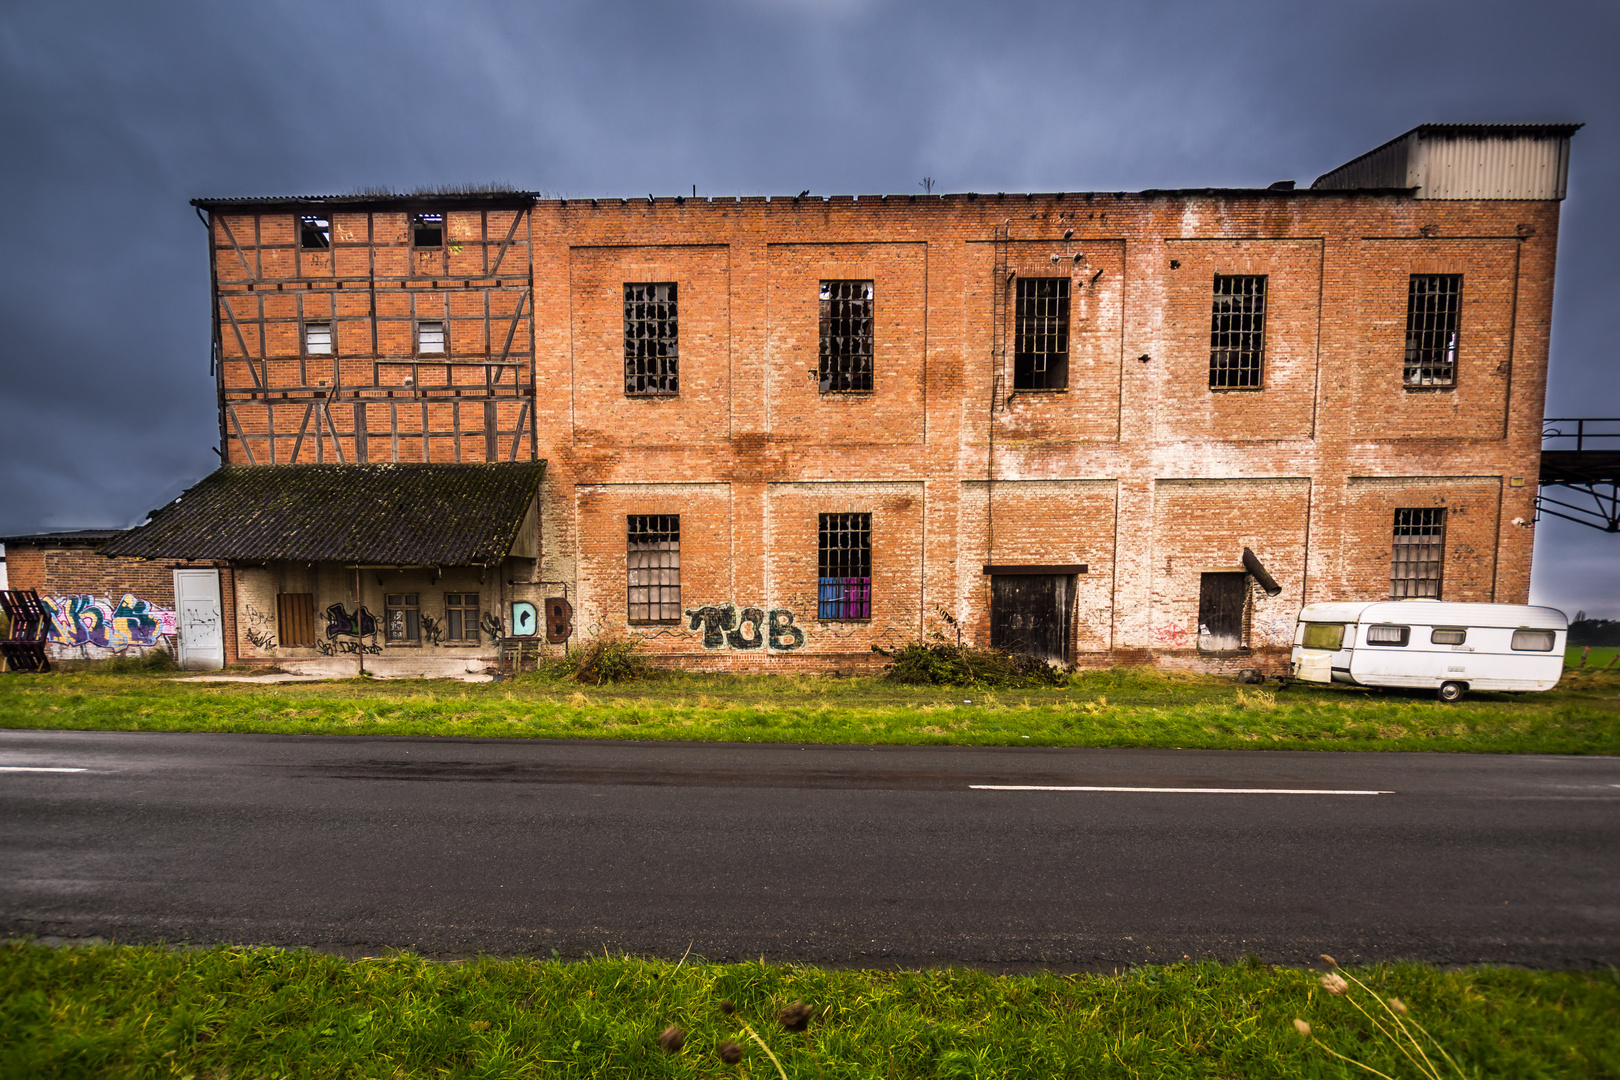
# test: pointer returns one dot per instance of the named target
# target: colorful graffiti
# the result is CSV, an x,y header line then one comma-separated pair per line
x,y
88,620
723,626
346,632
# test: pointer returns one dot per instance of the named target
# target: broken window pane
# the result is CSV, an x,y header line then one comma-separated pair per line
x,y
651,339
1420,536
427,230
845,562
430,337
846,337
1237,332
1433,310
653,567
318,337
314,233
1041,335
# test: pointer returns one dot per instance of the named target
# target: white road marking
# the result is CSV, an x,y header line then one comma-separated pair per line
x,y
34,768
1178,790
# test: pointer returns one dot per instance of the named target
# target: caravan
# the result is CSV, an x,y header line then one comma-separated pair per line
x,y
1431,644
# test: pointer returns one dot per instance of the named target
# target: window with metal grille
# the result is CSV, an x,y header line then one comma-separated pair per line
x,y
427,230
1420,542
1041,334
846,566
846,337
651,339
653,565
430,337
403,618
1433,310
318,337
295,619
314,233
461,616
1237,332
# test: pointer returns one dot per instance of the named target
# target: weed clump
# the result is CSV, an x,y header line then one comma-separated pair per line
x,y
150,662
942,662
600,659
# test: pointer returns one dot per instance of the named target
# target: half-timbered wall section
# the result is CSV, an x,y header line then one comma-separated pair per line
x,y
369,329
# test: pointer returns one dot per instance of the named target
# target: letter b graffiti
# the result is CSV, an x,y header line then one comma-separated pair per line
x,y
784,635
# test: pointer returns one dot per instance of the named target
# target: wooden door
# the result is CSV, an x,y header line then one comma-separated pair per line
x,y
1222,599
1029,613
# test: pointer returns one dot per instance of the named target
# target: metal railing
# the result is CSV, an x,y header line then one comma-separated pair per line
x,y
1603,431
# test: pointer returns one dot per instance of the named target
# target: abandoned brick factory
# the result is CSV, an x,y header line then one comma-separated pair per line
x,y
773,433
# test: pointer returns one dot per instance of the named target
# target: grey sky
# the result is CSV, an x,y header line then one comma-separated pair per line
x,y
114,115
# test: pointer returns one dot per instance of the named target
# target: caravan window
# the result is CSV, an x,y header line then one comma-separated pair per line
x,y
1324,635
1388,635
1448,635
1533,640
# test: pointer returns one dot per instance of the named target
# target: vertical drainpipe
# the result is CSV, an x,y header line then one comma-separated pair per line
x,y
359,620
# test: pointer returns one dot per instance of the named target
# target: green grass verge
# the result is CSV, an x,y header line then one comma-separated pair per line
x,y
1120,707
1601,656
108,1011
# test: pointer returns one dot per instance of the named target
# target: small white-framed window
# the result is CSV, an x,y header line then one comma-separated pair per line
x,y
430,336
1534,640
1389,635
1448,635
317,337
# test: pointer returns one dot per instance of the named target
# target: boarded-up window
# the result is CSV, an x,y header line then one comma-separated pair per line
x,y
1419,553
845,560
1041,335
295,619
318,337
1222,599
430,337
653,567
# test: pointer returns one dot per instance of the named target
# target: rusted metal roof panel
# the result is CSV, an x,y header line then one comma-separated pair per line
x,y
374,514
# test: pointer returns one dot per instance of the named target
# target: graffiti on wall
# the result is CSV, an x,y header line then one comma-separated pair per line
x,y
84,619
347,631
261,639
727,626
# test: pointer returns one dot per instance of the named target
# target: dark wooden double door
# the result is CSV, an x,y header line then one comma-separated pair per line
x,y
1031,613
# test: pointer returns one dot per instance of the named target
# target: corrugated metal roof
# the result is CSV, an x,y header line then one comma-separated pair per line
x,y
1464,161
474,198
73,538
378,514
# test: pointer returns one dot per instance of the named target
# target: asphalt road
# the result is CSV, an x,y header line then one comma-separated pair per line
x,y
835,855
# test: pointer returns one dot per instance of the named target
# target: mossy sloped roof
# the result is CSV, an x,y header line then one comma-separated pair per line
x,y
374,514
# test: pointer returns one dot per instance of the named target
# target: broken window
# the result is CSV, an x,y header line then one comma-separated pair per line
x,y
651,339
1433,310
846,566
295,619
653,567
427,230
1041,335
430,337
314,233
846,337
403,618
317,337
1237,332
1420,540
461,616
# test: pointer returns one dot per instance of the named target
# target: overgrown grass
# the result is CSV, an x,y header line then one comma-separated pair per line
x,y
1119,707
1600,657
144,1012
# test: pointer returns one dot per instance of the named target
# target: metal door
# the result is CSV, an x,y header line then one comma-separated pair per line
x,y
199,618
1221,601
1029,613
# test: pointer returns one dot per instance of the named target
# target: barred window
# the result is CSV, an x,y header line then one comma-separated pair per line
x,y
651,356
846,337
314,233
846,566
1420,542
427,230
317,337
1433,309
653,565
461,615
1041,334
1237,332
430,337
403,618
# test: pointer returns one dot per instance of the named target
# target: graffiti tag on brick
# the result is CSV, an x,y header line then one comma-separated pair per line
x,y
726,626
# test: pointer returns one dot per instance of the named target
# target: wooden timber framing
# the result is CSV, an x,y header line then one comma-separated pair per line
x,y
373,287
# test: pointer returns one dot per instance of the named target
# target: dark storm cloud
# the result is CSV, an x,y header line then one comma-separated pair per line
x,y
114,115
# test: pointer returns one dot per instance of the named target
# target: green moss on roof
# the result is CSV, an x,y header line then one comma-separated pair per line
x,y
385,515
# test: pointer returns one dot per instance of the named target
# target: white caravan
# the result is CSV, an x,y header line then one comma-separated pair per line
x,y
1431,644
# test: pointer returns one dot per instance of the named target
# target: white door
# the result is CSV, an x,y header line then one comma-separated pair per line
x,y
199,619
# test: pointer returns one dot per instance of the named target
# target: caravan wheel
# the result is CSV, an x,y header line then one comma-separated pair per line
x,y
1451,691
